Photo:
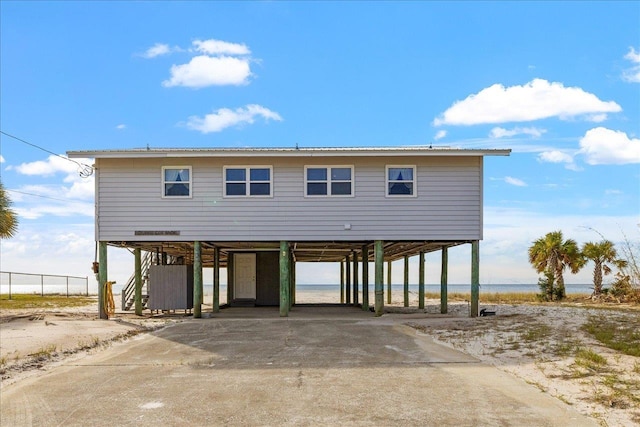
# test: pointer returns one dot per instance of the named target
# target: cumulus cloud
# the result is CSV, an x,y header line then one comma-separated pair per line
x,y
203,71
219,47
538,99
515,181
557,156
157,49
121,126
440,134
602,146
1,159
499,132
225,117
632,74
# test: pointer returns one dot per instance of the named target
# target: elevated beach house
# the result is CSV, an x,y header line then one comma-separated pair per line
x,y
258,211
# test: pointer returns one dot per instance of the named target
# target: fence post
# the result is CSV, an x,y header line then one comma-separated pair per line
x,y
9,285
42,285
67,286
86,283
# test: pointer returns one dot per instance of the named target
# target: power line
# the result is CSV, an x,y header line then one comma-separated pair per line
x,y
37,195
85,171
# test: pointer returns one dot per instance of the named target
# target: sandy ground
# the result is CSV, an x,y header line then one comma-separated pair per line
x,y
537,343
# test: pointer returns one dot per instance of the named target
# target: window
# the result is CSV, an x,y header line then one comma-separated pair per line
x,y
176,181
401,181
328,181
247,181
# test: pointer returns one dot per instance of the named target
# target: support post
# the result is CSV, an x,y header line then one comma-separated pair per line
x,y
292,280
443,280
365,277
341,282
347,291
137,298
230,278
216,279
102,279
355,278
378,256
388,282
421,281
475,277
285,278
406,281
197,280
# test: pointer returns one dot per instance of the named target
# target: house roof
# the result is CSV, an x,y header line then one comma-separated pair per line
x,y
288,152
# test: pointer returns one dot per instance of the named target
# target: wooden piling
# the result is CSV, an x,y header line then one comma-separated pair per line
x,y
421,281
137,253
102,280
379,277
216,279
406,281
285,277
443,280
388,282
475,277
355,278
197,280
365,277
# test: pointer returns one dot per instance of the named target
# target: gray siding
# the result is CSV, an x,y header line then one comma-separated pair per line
x,y
448,205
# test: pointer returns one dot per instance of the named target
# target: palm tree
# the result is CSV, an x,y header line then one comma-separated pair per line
x,y
551,254
8,218
601,253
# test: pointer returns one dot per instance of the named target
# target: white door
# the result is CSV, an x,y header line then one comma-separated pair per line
x,y
244,276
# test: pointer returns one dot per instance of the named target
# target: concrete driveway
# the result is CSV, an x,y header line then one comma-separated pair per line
x,y
320,366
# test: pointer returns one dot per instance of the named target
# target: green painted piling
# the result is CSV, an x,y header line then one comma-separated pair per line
x,y
406,281
388,282
285,278
475,277
197,280
379,277
102,279
216,279
421,281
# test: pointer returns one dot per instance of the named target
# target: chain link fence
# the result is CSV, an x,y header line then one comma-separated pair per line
x,y
12,283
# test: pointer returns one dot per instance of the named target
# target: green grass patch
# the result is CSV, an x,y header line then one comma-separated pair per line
x,y
20,301
622,335
589,359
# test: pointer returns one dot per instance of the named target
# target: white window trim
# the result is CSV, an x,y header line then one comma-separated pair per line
x,y
247,181
328,181
414,181
163,182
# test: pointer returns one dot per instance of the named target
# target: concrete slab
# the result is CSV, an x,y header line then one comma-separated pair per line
x,y
320,366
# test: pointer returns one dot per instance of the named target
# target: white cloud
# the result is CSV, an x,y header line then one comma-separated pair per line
x,y
557,156
632,74
515,181
440,134
121,126
1,159
219,47
225,117
610,192
204,71
499,132
602,146
51,166
538,99
157,49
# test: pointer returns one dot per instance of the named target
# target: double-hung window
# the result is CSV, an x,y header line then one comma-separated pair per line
x,y
176,181
401,181
248,181
328,181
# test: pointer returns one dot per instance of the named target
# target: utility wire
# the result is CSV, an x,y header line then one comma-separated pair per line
x,y
85,171
36,195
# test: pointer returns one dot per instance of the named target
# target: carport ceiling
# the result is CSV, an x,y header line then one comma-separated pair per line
x,y
302,251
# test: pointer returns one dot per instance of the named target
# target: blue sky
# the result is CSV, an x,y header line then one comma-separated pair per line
x,y
559,83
